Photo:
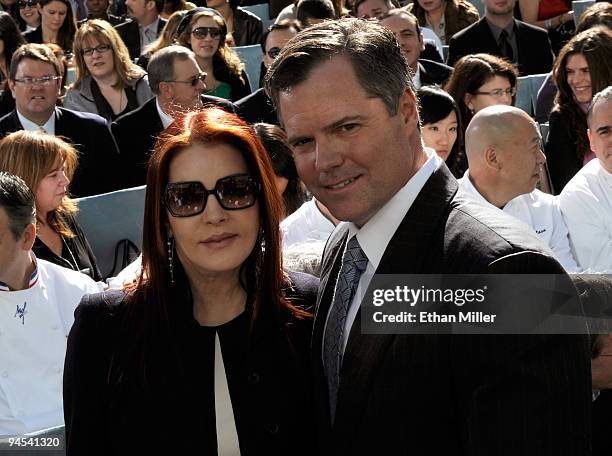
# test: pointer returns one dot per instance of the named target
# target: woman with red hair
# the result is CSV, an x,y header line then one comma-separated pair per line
x,y
207,352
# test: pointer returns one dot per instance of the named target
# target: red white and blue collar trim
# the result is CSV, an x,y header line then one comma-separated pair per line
x,y
33,277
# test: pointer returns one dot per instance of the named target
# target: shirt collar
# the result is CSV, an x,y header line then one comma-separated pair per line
x,y
48,126
416,79
33,277
376,234
152,26
165,118
497,30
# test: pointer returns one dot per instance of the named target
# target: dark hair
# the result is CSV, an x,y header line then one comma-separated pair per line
x,y
370,47
595,45
285,24
172,6
390,5
599,13
274,140
65,35
605,96
403,12
18,202
11,36
315,9
33,51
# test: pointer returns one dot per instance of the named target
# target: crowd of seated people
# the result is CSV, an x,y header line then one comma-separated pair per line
x,y
156,94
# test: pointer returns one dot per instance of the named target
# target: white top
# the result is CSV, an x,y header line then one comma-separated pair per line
x,y
540,212
165,118
27,124
34,325
416,79
376,234
307,223
586,204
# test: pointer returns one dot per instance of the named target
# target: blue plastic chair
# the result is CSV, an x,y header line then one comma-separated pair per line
x,y
523,95
262,11
252,57
579,6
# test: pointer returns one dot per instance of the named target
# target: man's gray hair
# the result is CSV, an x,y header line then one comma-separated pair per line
x,y
604,96
161,65
372,50
18,202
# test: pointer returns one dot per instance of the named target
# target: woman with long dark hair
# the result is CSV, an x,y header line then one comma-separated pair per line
x,y
10,40
57,24
210,344
29,17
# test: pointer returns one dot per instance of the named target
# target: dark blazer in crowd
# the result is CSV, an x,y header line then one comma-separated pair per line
x,y
130,34
34,36
453,394
431,53
560,149
136,133
433,73
76,252
546,99
98,154
535,55
257,107
110,18
108,411
248,28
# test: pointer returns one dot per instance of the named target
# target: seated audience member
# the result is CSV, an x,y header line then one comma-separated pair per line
x,y
29,16
288,183
441,127
372,9
107,82
46,164
98,9
177,82
143,27
35,82
38,300
311,12
555,16
444,17
504,151
165,38
203,30
243,27
57,24
481,80
172,6
405,28
582,69
586,200
498,33
257,107
12,39
289,12
312,221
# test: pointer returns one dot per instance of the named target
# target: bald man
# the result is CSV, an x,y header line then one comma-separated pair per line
x,y
504,151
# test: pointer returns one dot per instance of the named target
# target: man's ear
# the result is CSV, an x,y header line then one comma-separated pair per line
x,y
407,107
11,85
421,42
491,158
166,91
150,4
28,237
590,135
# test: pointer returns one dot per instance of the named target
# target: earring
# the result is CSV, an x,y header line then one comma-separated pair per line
x,y
170,244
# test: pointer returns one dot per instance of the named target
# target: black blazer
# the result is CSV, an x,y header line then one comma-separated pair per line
x,y
453,394
107,414
535,55
136,133
98,167
433,73
561,147
130,34
34,36
257,107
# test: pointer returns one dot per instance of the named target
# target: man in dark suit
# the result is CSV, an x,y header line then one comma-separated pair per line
x,y
357,146
144,26
177,82
35,83
98,9
405,27
498,33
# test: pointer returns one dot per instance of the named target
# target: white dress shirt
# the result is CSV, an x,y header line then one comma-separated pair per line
x,y
307,223
416,79
165,118
540,212
586,204
27,124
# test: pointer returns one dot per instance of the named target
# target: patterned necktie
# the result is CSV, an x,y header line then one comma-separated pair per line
x,y
354,263
505,47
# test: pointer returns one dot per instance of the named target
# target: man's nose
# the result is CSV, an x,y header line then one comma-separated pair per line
x,y
326,155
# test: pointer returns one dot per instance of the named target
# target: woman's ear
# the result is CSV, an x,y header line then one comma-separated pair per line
x,y
467,99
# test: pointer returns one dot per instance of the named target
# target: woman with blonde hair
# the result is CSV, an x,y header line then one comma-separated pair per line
x,y
107,82
203,30
165,38
46,164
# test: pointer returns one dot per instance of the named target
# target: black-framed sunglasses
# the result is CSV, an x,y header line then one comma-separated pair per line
x,y
185,199
194,81
201,32
273,52
26,4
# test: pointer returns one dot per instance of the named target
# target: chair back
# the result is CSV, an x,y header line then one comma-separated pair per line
x,y
579,6
262,11
252,57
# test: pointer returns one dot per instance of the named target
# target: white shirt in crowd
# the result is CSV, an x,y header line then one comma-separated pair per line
x,y
540,211
586,204
306,224
34,325
48,127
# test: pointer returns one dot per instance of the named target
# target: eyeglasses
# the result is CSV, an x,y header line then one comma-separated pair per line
x,y
273,52
185,199
101,49
44,81
193,81
201,32
498,93
30,4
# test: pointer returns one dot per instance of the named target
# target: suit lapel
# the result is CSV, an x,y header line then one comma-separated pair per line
x,y
60,127
487,39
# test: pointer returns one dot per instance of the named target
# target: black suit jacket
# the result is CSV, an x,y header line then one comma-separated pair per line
x,y
433,73
535,55
453,394
136,133
99,165
257,107
130,34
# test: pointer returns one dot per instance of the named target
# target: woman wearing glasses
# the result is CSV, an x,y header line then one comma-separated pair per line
x,y
57,24
107,82
29,17
203,30
206,353
479,81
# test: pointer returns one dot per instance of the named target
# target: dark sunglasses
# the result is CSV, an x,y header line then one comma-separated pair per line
x,y
31,4
201,32
185,199
193,81
273,52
